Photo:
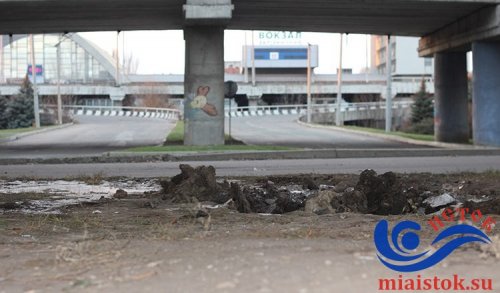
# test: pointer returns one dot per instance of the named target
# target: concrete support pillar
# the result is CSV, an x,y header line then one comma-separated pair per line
x,y
451,106
204,85
486,93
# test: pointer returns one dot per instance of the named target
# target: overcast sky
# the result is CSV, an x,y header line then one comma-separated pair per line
x,y
162,52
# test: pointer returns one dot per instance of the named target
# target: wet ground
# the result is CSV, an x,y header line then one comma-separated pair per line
x,y
87,237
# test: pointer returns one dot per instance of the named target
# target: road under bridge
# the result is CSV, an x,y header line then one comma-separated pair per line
x,y
449,28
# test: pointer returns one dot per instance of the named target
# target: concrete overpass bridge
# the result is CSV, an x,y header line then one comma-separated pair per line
x,y
283,84
449,28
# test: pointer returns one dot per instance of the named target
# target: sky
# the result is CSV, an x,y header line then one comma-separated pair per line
x,y
162,52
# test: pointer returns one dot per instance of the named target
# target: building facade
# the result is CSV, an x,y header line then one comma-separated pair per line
x,y
405,61
78,62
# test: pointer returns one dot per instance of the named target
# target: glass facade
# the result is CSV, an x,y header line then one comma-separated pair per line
x,y
77,65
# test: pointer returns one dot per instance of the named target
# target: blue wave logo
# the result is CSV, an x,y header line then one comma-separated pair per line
x,y
400,256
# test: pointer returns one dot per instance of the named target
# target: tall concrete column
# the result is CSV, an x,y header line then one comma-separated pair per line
x,y
204,85
451,106
486,93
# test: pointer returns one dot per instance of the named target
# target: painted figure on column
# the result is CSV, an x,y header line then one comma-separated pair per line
x,y
200,102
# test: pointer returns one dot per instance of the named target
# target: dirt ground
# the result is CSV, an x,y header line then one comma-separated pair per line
x,y
140,243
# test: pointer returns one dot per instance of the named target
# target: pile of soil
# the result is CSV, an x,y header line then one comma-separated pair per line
x,y
386,194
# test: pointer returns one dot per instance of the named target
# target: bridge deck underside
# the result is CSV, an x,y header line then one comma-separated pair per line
x,y
397,17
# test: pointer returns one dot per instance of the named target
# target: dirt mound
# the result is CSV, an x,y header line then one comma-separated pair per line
x,y
194,184
386,194
266,199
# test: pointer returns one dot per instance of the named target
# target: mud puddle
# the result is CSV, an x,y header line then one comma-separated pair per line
x,y
49,197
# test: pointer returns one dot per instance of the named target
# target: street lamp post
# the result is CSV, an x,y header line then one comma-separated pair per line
x,y
253,60
388,98
35,88
309,83
338,120
117,59
59,100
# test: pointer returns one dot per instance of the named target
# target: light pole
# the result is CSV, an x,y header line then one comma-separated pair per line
x,y
338,120
388,98
245,57
35,89
59,100
117,58
308,83
253,60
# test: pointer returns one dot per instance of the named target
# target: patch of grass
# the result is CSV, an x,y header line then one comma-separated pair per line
x,y
4,133
176,136
182,148
423,137
490,173
95,179
25,196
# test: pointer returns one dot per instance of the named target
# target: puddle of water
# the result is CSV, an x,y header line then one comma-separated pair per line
x,y
62,193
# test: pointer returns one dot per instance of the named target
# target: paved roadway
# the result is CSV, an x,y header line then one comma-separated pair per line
x,y
259,168
92,135
283,130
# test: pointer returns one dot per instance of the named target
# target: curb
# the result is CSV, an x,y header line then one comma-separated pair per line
x,y
37,131
454,146
124,157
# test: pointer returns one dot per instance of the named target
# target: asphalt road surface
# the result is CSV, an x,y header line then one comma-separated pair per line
x,y
449,164
92,135
283,130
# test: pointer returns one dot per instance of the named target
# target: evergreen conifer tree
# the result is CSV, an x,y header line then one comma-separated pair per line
x,y
422,116
3,112
20,108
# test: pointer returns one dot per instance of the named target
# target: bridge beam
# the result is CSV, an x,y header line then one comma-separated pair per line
x,y
486,93
451,105
204,86
481,25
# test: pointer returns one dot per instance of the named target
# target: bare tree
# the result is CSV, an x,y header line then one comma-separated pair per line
x,y
129,65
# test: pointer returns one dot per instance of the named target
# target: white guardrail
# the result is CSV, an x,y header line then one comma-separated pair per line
x,y
140,112
175,114
316,108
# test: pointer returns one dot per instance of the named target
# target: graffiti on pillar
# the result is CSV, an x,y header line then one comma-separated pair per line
x,y
200,101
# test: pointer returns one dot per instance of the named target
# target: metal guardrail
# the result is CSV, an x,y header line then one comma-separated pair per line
x,y
175,114
316,108
141,112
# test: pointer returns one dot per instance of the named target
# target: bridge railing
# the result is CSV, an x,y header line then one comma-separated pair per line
x,y
316,108
175,114
124,111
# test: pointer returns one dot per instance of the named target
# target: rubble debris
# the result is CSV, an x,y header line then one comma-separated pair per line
x,y
9,206
120,193
322,203
341,186
350,201
193,184
383,193
250,199
486,207
309,183
436,203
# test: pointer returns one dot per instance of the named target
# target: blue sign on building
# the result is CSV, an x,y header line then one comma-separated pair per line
x,y
281,54
38,73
